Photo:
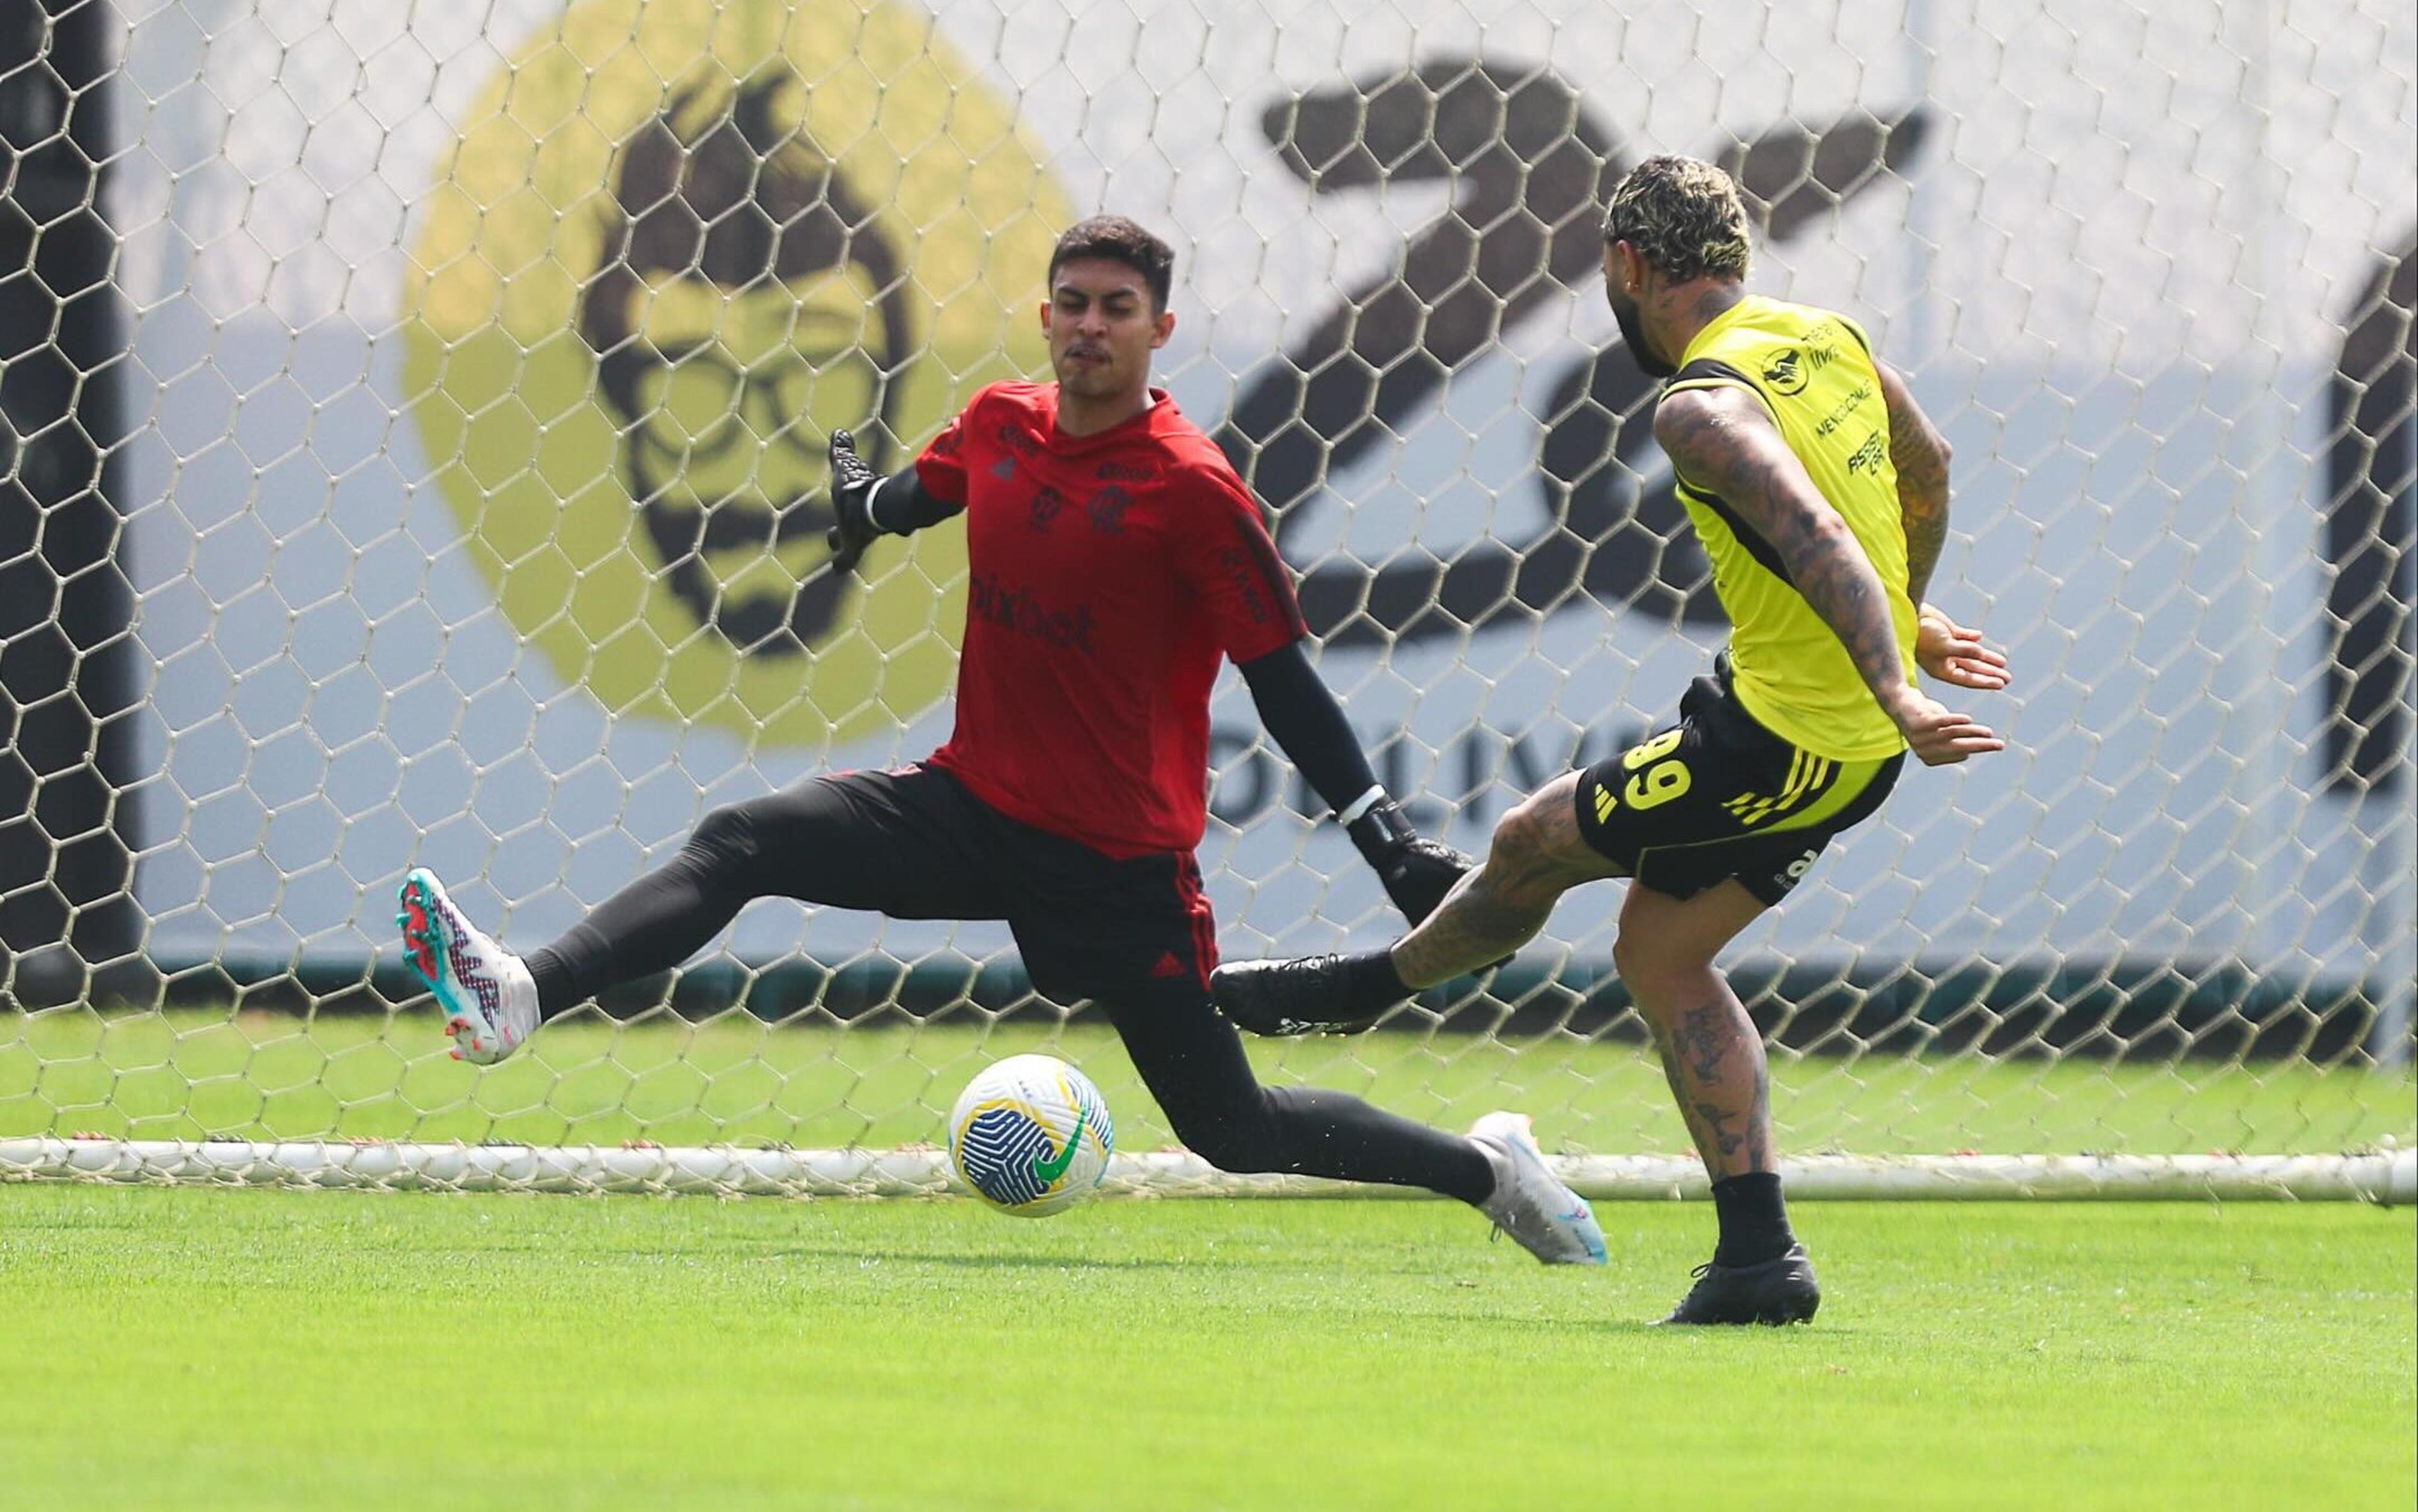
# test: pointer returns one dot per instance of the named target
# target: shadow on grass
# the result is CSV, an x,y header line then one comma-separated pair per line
x,y
1647,1324
989,1263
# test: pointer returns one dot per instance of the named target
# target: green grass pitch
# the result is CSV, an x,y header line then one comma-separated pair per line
x,y
193,1074
267,1350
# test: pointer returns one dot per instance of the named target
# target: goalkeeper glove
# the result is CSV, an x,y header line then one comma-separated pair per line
x,y
1416,872
854,481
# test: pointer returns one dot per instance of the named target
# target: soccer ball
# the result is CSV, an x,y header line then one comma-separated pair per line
x,y
1030,1135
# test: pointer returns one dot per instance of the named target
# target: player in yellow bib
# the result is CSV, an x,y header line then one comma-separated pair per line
x,y
1820,491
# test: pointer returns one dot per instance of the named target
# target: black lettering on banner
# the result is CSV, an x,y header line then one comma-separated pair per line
x,y
1532,161
1243,778
1495,772
1477,772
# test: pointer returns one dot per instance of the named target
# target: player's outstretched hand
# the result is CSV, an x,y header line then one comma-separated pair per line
x,y
1952,653
851,483
1937,734
1416,872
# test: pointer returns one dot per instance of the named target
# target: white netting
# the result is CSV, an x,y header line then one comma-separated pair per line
x,y
461,376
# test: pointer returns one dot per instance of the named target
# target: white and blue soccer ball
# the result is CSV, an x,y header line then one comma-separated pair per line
x,y
1030,1135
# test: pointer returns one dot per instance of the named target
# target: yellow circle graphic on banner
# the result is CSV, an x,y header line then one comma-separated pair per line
x,y
679,244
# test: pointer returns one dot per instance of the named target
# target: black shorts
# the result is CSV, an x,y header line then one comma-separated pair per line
x,y
1718,795
915,844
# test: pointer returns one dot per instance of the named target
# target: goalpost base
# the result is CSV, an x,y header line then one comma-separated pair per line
x,y
2387,1177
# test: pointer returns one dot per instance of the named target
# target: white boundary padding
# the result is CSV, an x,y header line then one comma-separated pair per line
x,y
2387,1177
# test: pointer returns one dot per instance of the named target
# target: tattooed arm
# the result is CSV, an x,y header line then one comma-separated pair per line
x,y
1945,650
1921,454
1722,442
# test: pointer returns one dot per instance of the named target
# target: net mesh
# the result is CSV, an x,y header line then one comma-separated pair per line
x,y
413,457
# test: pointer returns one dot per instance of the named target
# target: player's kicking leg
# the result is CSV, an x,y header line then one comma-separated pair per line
x,y
1537,855
1665,950
489,1000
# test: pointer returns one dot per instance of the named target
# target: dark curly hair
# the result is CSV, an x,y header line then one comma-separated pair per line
x,y
1683,216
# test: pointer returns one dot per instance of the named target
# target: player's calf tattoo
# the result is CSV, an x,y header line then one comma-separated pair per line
x,y
1703,1041
1723,1086
1716,1119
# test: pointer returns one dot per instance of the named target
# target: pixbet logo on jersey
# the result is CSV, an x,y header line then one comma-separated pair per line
x,y
1017,609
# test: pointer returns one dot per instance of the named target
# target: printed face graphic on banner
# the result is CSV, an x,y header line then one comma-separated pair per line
x,y
732,339
680,243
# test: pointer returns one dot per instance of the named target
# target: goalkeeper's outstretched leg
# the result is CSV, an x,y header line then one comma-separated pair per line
x,y
891,843
1194,1065
1132,933
489,1002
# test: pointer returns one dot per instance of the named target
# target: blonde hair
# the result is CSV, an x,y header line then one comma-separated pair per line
x,y
1683,216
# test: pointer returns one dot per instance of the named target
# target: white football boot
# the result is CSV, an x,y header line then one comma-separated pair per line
x,y
489,998
1530,1203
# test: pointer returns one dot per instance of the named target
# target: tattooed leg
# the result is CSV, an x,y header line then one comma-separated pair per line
x,y
1714,1061
1711,1055
1537,854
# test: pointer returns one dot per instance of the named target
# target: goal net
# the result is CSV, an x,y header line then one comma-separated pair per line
x,y
413,456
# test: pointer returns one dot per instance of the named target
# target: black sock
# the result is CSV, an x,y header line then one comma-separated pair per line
x,y
1370,984
651,926
557,989
1755,1219
1193,1062
1332,1134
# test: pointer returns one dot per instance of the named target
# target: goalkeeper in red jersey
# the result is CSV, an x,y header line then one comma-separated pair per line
x,y
1116,560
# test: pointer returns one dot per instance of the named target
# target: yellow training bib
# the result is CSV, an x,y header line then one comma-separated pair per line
x,y
1814,371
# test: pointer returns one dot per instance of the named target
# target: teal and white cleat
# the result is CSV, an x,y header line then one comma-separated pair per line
x,y
489,998
1530,1203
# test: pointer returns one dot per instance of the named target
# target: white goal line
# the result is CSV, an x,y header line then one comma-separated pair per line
x,y
2388,1177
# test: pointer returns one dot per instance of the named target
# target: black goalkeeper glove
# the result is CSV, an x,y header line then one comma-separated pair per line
x,y
1416,872
852,481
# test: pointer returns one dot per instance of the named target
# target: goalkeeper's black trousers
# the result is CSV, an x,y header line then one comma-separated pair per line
x,y
1132,936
